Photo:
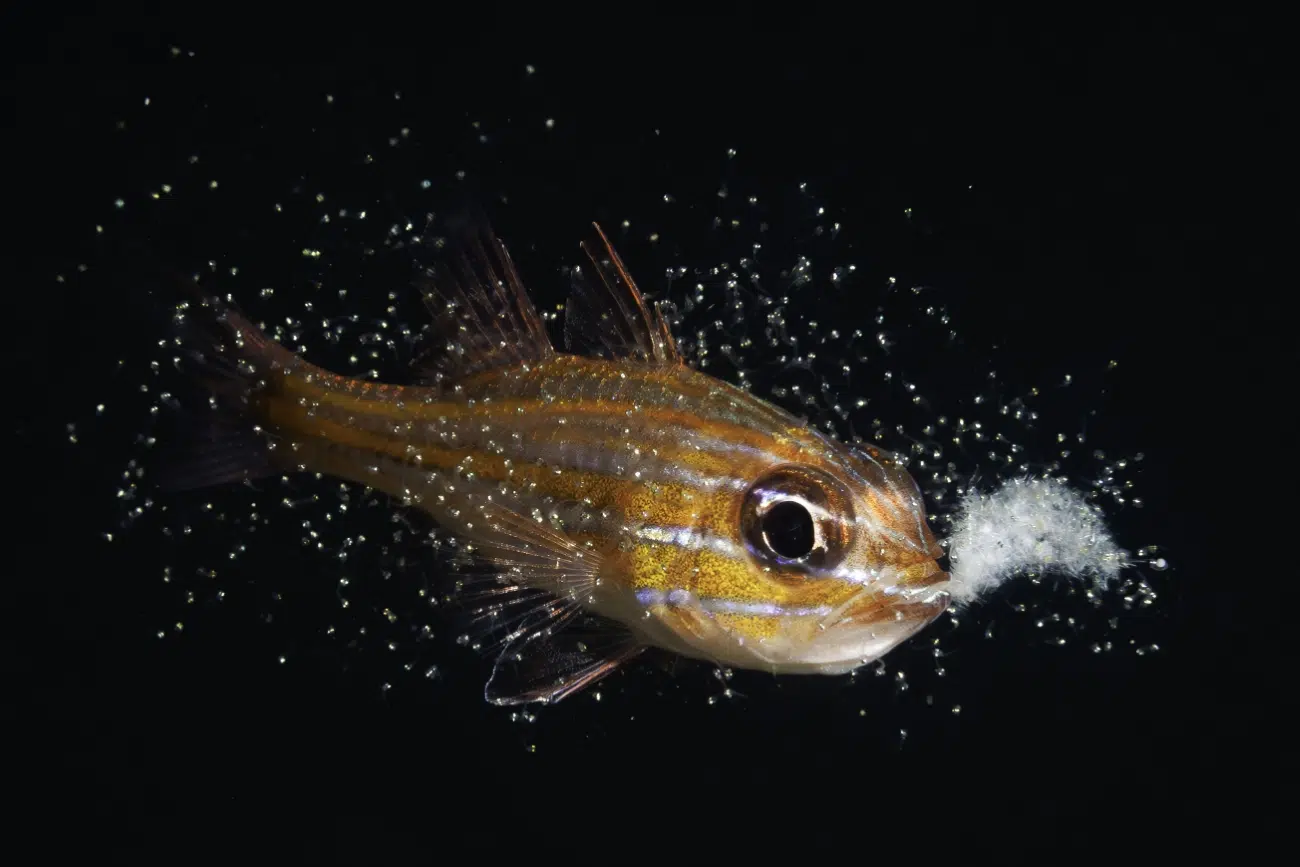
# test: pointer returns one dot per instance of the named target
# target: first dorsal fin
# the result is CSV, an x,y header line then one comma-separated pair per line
x,y
606,316
482,314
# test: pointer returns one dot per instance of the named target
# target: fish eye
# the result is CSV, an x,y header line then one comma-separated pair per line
x,y
797,518
788,529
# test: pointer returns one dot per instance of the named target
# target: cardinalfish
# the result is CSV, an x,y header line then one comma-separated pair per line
x,y
616,498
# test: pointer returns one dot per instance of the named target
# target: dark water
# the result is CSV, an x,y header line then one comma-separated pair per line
x,y
1073,197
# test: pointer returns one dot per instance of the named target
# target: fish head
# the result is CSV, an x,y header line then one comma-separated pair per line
x,y
834,565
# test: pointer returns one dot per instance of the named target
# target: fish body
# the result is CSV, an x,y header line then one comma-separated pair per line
x,y
618,498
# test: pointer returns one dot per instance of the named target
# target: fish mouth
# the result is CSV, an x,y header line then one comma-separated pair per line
x,y
927,573
920,593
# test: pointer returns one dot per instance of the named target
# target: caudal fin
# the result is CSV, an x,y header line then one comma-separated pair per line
x,y
214,437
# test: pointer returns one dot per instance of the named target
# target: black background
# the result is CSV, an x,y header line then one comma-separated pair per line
x,y
1138,163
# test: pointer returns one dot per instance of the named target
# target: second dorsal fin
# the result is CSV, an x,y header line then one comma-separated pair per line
x,y
606,316
482,314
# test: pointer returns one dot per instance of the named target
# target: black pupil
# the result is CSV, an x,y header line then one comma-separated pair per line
x,y
788,529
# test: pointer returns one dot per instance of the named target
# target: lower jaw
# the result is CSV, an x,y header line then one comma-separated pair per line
x,y
925,603
869,641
